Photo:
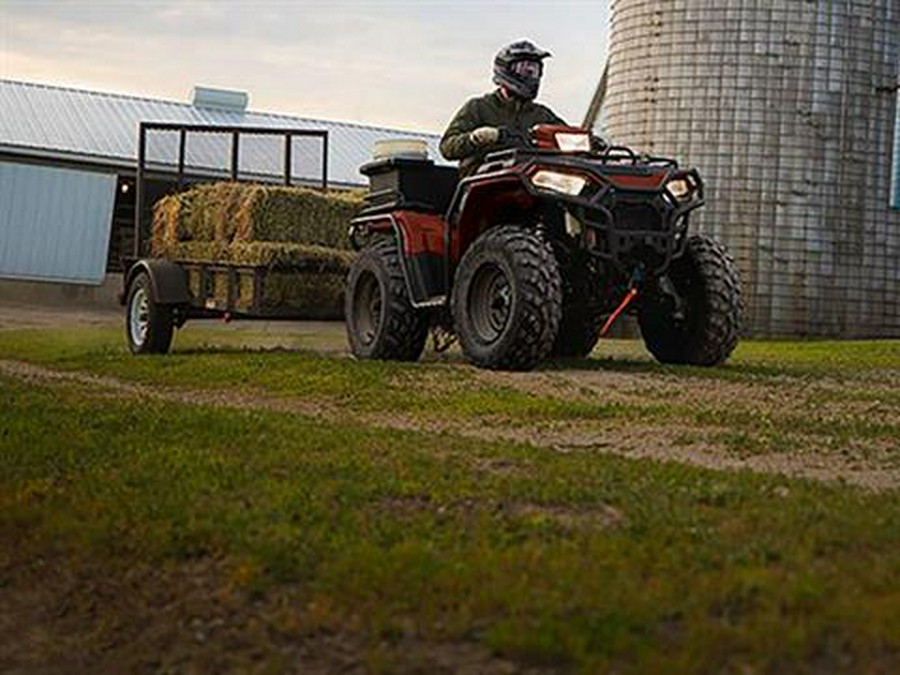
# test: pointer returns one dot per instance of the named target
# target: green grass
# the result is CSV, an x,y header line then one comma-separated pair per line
x,y
392,531
435,390
820,356
703,571
214,357
763,360
439,391
570,559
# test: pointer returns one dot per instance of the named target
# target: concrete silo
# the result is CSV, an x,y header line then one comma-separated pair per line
x,y
788,108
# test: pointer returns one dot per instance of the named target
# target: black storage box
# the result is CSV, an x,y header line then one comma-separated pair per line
x,y
404,183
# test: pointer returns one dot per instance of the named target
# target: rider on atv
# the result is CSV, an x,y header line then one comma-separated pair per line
x,y
502,118
547,238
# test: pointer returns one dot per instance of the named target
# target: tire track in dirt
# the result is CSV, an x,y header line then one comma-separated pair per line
x,y
783,394
639,441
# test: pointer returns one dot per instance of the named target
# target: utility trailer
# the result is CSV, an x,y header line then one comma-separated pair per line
x,y
161,293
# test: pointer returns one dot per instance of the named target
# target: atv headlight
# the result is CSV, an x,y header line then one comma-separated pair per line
x,y
566,183
680,188
571,142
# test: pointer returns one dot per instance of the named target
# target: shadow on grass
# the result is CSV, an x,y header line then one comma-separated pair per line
x,y
244,350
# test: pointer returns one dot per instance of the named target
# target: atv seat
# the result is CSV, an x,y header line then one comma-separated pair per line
x,y
410,184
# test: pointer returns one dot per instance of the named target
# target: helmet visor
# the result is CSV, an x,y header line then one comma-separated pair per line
x,y
527,69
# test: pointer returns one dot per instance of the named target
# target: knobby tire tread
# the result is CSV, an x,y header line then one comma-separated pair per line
x,y
403,334
533,264
719,332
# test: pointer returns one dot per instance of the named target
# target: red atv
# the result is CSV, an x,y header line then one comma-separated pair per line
x,y
536,254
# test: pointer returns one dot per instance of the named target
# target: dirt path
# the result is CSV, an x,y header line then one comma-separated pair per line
x,y
868,467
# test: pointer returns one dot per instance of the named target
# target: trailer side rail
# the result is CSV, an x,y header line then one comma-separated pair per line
x,y
235,132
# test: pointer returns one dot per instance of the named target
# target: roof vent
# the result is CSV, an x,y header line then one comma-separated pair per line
x,y
221,99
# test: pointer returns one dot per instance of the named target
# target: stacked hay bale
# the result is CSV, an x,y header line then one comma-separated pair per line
x,y
226,232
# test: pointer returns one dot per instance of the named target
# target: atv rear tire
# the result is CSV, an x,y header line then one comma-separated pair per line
x,y
707,280
507,299
381,321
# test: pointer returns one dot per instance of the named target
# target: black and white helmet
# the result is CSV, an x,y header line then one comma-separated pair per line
x,y
519,67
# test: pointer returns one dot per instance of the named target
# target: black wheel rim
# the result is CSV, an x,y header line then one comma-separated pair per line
x,y
367,308
490,303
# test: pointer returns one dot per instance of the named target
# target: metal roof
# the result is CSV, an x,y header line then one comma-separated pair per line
x,y
101,128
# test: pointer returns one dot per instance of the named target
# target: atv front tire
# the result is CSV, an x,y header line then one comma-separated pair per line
x,y
507,299
705,330
381,321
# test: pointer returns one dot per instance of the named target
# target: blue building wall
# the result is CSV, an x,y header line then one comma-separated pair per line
x,y
54,223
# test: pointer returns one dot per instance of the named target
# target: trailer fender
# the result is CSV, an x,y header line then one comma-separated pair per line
x,y
168,281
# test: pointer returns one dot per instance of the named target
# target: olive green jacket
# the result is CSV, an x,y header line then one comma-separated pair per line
x,y
491,110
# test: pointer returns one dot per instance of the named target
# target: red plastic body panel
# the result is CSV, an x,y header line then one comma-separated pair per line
x,y
488,202
422,232
649,182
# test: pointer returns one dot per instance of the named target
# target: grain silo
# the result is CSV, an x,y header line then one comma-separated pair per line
x,y
788,108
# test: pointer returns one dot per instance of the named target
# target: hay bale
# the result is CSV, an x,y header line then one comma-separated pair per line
x,y
298,234
197,252
220,288
164,231
285,256
273,255
209,212
239,212
246,290
195,281
298,215
308,294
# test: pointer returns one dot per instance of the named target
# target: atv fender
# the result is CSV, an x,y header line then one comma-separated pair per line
x,y
168,281
484,200
420,238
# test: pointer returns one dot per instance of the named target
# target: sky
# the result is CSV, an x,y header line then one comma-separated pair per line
x,y
394,63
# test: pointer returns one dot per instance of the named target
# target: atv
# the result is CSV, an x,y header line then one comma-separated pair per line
x,y
536,254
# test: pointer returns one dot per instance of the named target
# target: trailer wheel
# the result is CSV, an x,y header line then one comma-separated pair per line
x,y
381,321
507,299
148,324
705,330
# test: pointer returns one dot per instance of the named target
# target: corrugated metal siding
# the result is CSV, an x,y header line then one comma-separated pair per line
x,y
54,223
87,123
775,103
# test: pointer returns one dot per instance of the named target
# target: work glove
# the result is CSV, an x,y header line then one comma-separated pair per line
x,y
483,136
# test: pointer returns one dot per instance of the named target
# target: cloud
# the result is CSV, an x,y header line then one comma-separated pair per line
x,y
388,63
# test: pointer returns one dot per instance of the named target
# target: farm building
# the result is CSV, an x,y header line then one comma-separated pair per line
x,y
68,162
790,112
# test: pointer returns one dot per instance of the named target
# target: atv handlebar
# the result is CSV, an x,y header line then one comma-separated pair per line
x,y
507,135
615,152
599,149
